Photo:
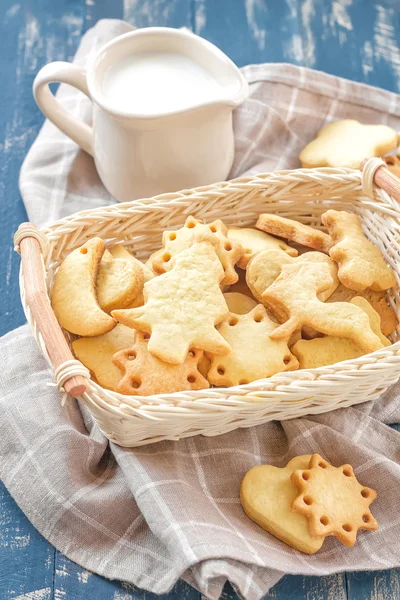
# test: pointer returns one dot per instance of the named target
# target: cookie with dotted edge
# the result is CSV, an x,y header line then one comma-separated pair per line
x,y
332,499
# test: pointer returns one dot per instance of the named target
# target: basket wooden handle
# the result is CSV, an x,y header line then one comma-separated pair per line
x,y
38,302
386,180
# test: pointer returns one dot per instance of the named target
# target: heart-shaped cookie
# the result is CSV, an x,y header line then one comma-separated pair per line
x,y
267,494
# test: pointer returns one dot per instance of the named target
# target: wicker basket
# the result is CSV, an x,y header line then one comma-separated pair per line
x,y
300,194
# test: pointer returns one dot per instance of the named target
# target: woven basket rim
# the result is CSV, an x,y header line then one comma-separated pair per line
x,y
194,399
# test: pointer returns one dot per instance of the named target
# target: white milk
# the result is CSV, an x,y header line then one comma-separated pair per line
x,y
157,82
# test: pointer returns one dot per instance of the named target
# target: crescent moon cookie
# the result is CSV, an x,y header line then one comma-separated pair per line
x,y
267,494
183,306
254,241
332,499
295,232
293,300
144,374
118,282
346,143
361,264
74,298
254,354
120,251
228,251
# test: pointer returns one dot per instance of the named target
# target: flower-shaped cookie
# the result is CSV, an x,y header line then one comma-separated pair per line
x,y
333,500
346,143
145,374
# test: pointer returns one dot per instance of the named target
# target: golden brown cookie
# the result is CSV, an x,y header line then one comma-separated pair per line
x,y
183,305
293,299
378,302
265,267
294,231
254,241
254,354
118,282
96,354
144,374
267,494
361,264
228,251
332,499
74,298
328,350
346,143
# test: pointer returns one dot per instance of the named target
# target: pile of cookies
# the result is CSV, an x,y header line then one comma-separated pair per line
x,y
307,501
218,306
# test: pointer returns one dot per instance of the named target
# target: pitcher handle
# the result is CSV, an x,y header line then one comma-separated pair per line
x,y
63,72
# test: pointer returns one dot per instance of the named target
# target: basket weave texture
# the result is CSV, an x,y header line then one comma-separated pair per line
x,y
302,194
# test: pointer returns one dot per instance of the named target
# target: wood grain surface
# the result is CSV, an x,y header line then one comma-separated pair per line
x,y
357,39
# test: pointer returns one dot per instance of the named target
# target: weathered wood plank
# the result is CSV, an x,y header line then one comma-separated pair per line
x,y
357,39
159,13
71,582
26,559
375,585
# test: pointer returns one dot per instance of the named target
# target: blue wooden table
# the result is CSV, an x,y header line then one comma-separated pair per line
x,y
357,39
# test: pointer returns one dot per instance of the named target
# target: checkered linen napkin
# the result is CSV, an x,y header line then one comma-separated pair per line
x,y
153,514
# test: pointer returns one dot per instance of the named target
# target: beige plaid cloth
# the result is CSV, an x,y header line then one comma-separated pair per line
x,y
151,515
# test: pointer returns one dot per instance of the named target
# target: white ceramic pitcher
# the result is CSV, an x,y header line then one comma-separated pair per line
x,y
140,155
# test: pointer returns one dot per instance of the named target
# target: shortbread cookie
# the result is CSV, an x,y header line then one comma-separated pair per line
x,y
267,494
332,499
346,143
118,282
228,251
361,264
293,299
144,374
96,354
254,354
254,241
183,306
74,299
328,350
119,251
264,268
378,302
240,304
294,231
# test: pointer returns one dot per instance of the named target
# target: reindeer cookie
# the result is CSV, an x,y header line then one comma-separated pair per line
x,y
293,299
361,264
328,350
264,268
